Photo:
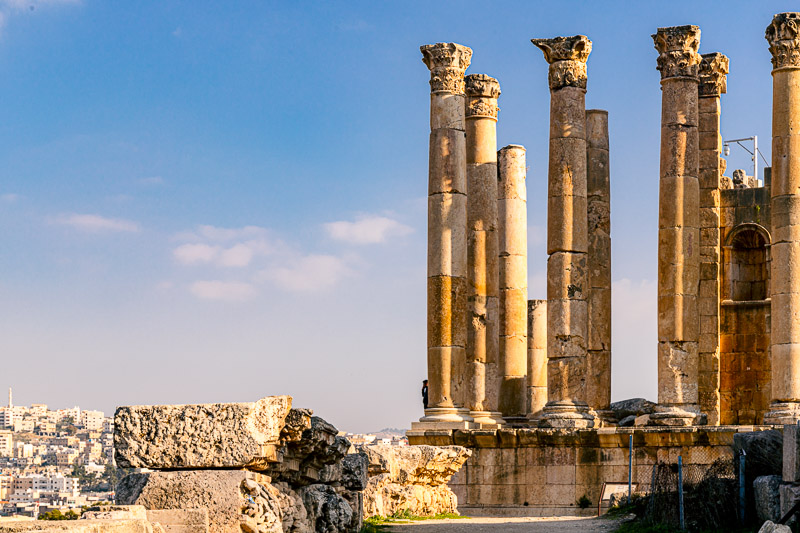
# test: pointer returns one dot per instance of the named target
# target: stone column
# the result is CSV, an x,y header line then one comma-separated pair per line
x,y
447,232
537,358
598,362
482,251
513,218
567,240
784,44
713,83
678,227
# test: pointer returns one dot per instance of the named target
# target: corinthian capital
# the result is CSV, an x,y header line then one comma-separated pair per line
x,y
713,74
677,51
447,63
482,93
567,58
782,35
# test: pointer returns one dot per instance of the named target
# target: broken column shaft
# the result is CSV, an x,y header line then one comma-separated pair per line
x,y
447,239
598,362
567,243
483,249
513,218
713,83
678,227
537,358
784,42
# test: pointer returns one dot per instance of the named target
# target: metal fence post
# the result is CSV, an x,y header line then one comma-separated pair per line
x,y
742,500
680,492
630,466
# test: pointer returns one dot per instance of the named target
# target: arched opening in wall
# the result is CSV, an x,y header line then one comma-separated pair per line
x,y
746,274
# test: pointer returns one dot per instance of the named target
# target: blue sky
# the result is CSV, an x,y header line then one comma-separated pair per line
x,y
217,201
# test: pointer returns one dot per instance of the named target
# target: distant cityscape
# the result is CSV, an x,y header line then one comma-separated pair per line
x,y
64,459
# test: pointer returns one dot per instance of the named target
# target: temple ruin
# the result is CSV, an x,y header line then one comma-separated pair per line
x,y
527,383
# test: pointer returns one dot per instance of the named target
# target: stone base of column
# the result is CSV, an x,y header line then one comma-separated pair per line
x,y
782,413
487,419
677,416
566,414
445,418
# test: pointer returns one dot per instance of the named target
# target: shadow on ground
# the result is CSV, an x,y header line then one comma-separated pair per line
x,y
510,525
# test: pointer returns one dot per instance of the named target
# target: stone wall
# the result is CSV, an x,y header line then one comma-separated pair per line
x,y
543,472
745,310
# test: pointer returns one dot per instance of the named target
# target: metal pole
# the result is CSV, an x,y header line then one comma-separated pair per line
x,y
755,158
680,492
630,465
741,486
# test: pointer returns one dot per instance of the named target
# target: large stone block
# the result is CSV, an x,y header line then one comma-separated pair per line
x,y
767,497
233,435
80,526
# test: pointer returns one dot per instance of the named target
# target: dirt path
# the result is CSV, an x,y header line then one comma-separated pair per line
x,y
510,525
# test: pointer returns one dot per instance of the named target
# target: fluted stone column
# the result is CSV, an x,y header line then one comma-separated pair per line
x,y
713,83
537,358
447,233
513,233
784,45
598,362
482,252
567,240
678,227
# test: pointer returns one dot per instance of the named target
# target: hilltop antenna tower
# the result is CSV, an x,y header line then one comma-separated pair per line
x,y
10,398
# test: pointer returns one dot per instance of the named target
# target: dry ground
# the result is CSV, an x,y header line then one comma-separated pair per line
x,y
510,525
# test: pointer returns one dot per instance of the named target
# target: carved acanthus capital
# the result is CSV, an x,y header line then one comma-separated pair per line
x,y
447,63
482,85
713,74
482,92
677,51
567,58
784,44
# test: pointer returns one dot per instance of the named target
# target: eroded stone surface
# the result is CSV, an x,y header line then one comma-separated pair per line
x,y
412,478
233,435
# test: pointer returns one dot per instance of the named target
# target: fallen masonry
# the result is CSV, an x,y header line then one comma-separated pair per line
x,y
259,467
412,479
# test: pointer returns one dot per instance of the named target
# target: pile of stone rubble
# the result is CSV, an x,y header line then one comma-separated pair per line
x,y
256,467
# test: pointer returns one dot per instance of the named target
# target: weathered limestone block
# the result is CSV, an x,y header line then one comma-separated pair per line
x,y
233,435
303,460
384,498
770,527
350,472
766,492
328,510
633,407
180,520
235,499
115,512
80,526
423,465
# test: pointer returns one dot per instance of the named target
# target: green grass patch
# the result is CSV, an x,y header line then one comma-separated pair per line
x,y
376,524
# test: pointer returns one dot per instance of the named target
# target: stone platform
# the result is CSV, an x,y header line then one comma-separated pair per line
x,y
543,472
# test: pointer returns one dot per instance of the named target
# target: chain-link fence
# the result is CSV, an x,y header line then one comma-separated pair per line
x,y
702,496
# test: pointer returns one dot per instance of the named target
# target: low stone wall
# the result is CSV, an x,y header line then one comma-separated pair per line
x,y
543,472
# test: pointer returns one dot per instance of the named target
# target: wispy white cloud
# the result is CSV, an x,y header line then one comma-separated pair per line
x,y
194,253
97,223
205,233
308,273
227,291
9,197
367,229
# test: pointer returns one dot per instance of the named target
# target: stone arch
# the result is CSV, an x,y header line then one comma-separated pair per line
x,y
746,263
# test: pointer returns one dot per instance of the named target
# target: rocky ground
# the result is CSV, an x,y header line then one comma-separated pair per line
x,y
510,525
